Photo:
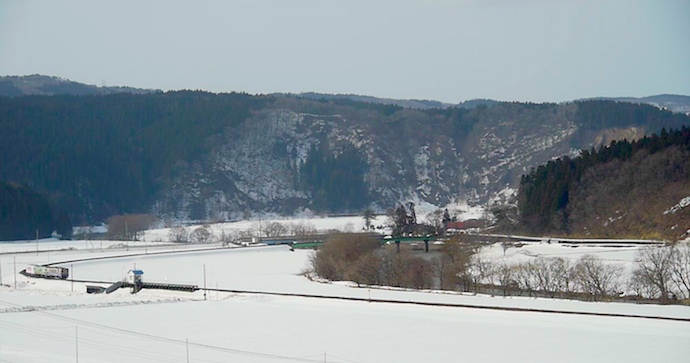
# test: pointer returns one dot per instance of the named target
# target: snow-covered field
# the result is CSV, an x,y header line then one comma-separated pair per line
x,y
54,244
263,329
38,319
321,224
623,255
344,224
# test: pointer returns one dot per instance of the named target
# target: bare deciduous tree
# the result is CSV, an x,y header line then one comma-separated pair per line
x,y
349,228
596,278
129,226
641,287
562,272
178,234
506,274
524,278
275,229
481,270
302,230
418,274
231,236
446,272
201,235
681,269
366,270
340,253
545,275
654,266
436,222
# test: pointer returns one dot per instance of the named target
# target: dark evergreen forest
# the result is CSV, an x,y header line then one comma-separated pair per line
x,y
596,115
591,192
103,155
336,181
24,213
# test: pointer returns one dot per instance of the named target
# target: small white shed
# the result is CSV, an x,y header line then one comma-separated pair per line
x,y
135,276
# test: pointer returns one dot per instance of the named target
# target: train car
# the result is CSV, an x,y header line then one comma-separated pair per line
x,y
278,242
47,272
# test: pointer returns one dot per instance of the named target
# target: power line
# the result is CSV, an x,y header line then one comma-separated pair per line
x,y
37,332
92,344
170,340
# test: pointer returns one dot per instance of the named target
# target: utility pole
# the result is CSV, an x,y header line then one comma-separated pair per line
x,y
324,357
127,236
187,341
204,281
76,340
260,227
71,271
14,259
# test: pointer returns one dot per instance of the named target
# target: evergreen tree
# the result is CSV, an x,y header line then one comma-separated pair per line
x,y
25,213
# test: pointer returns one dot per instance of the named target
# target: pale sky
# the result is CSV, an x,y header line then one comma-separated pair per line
x,y
530,50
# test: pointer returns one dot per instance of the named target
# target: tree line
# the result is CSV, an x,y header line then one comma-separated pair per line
x,y
660,273
601,114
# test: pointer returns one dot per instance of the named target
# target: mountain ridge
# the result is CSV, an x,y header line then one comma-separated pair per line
x,y
200,155
36,84
197,155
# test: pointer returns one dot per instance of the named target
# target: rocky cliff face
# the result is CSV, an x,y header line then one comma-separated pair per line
x,y
410,156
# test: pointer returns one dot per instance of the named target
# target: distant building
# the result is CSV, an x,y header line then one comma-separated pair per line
x,y
134,277
471,223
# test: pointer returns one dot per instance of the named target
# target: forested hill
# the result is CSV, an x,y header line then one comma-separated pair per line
x,y
675,103
626,189
25,215
36,84
104,155
212,156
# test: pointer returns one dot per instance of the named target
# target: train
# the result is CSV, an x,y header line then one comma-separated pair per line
x,y
276,242
47,272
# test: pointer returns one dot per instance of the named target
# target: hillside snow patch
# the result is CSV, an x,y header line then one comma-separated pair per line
x,y
682,204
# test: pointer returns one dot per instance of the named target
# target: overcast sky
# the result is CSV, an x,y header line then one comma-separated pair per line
x,y
531,50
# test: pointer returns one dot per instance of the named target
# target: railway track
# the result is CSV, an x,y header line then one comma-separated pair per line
x,y
141,254
571,240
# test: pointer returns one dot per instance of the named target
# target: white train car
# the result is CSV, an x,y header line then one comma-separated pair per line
x,y
47,272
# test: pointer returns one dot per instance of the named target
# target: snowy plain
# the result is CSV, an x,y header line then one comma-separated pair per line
x,y
321,224
54,244
39,319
